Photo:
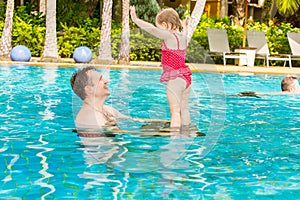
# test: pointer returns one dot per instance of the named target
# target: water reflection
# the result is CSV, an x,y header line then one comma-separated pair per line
x,y
44,166
99,154
99,150
163,162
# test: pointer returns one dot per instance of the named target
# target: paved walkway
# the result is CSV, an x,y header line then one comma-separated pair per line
x,y
195,67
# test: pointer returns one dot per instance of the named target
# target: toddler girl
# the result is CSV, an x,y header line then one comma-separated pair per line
x,y
176,74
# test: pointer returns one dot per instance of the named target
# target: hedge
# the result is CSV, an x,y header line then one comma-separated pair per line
x,y
144,46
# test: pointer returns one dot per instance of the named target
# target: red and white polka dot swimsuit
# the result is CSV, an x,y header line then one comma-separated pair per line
x,y
173,63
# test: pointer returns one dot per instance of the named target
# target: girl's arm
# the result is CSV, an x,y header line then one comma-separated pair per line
x,y
185,24
148,27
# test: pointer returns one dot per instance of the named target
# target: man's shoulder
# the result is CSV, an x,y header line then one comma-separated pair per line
x,y
89,118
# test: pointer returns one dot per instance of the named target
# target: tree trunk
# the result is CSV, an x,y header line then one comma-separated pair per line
x,y
91,6
224,9
273,10
5,45
42,6
238,8
195,18
50,53
105,38
124,56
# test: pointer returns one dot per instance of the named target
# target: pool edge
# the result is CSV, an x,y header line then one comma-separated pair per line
x,y
142,65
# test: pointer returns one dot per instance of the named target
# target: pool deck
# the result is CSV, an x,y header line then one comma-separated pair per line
x,y
140,65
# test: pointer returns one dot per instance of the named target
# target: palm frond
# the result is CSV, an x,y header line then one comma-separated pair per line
x,y
287,7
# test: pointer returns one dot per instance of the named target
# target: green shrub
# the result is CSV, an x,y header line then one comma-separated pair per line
x,y
29,16
1,27
144,46
71,13
146,9
31,33
2,11
28,35
72,37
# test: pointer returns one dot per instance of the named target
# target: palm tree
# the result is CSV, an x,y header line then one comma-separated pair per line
x,y
238,7
105,54
5,45
287,7
224,8
195,18
125,44
42,6
50,53
91,6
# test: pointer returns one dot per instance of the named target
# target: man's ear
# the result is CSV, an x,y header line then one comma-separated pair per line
x,y
290,89
88,89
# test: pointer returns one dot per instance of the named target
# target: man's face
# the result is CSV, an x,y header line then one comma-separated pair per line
x,y
295,85
98,83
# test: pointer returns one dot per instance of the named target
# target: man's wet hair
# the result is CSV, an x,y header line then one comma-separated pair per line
x,y
287,82
79,80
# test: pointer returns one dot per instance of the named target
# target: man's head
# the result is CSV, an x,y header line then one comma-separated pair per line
x,y
290,84
87,81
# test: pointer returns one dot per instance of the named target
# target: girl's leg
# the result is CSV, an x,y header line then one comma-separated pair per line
x,y
184,108
175,90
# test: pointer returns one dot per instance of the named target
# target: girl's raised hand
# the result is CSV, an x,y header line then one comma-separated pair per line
x,y
185,22
132,12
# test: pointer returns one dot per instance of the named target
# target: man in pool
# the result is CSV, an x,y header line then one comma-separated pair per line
x,y
91,87
289,85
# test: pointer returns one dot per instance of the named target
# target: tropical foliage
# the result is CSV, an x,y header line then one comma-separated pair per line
x,y
287,7
29,29
146,9
142,45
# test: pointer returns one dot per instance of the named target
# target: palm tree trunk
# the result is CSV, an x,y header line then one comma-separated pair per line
x,y
91,6
273,10
238,7
105,54
195,18
50,53
224,9
5,45
42,6
124,56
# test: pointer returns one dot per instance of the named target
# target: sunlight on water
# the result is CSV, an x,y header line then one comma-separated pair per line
x,y
44,166
250,151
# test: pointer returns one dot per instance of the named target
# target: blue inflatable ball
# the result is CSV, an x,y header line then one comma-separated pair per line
x,y
82,54
20,53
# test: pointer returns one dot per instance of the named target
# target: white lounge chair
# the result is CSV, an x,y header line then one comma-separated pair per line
x,y
294,42
219,45
257,39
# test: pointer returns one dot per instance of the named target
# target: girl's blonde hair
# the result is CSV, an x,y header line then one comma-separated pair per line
x,y
169,16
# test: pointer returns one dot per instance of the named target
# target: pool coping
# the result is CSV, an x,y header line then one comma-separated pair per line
x,y
145,65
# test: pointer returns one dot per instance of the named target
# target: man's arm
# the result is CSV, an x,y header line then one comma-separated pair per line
x,y
117,114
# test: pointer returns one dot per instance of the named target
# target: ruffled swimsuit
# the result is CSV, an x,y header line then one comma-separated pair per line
x,y
173,63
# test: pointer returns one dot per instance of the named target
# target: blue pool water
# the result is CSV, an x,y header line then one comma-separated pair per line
x,y
251,150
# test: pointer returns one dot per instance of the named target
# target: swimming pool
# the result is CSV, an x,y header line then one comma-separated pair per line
x,y
251,150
